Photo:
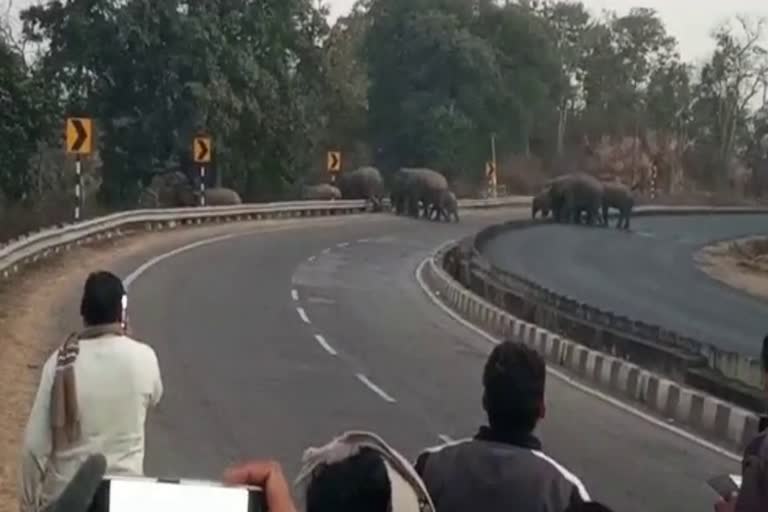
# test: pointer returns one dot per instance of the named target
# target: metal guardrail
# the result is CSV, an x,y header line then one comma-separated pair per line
x,y
32,247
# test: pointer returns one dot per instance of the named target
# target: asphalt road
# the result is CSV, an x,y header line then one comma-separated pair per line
x,y
647,274
277,341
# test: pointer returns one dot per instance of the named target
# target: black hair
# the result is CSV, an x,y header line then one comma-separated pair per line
x,y
102,299
359,483
513,381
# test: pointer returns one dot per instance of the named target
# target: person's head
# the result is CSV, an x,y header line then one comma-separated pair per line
x,y
102,301
355,484
513,382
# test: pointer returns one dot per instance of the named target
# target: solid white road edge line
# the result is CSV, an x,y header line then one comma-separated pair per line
x,y
376,389
303,315
323,343
133,276
157,259
581,387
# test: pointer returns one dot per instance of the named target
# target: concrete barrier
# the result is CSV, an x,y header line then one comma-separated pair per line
x,y
729,376
712,418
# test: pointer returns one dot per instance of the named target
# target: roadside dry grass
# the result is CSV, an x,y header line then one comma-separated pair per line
x,y
26,338
30,323
30,328
741,264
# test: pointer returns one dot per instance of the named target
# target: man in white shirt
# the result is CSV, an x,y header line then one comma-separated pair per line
x,y
93,397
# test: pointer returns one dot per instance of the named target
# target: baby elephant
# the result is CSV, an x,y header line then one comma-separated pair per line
x,y
541,203
447,207
618,196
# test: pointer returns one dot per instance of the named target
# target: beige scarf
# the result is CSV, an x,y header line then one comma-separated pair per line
x,y
65,413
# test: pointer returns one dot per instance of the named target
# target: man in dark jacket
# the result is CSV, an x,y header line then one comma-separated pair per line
x,y
503,467
753,495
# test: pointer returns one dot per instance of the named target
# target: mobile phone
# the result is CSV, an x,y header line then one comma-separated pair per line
x,y
139,494
124,311
725,485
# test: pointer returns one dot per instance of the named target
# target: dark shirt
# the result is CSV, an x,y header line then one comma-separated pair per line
x,y
498,472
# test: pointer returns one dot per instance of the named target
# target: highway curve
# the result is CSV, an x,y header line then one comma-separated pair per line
x,y
647,274
276,341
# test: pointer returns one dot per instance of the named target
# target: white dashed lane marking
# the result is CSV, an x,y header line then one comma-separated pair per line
x,y
446,439
376,389
303,315
342,245
327,251
326,346
294,294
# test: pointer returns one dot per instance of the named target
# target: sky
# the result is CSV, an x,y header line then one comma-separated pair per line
x,y
690,21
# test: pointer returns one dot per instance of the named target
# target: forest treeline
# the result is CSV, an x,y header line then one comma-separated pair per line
x,y
394,83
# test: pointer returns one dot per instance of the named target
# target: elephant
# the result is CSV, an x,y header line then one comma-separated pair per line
x,y
618,196
322,192
213,197
398,192
422,186
221,197
166,190
541,203
575,194
447,207
364,183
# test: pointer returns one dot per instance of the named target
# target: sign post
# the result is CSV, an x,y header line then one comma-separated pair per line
x,y
493,176
334,164
201,151
490,174
79,142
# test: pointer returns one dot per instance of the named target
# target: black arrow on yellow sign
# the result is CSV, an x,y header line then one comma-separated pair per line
x,y
82,135
78,135
334,161
202,149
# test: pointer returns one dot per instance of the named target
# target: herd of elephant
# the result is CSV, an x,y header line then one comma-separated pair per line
x,y
414,192
576,197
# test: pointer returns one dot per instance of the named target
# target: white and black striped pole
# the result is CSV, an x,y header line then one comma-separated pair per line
x,y
78,188
202,185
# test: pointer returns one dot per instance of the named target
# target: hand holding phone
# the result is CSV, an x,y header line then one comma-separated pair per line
x,y
725,485
269,476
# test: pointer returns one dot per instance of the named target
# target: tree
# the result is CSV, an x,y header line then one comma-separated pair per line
x,y
24,120
570,25
729,83
243,71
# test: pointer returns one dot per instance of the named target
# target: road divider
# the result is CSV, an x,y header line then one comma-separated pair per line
x,y
33,247
488,301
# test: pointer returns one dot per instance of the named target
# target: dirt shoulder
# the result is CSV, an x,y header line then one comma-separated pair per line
x,y
741,264
31,323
